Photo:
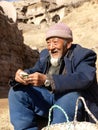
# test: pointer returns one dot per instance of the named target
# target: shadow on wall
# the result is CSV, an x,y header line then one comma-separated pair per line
x,y
14,54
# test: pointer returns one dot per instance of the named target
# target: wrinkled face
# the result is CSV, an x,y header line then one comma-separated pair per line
x,y
57,47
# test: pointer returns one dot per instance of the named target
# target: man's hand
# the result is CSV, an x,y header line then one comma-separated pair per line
x,y
36,79
20,77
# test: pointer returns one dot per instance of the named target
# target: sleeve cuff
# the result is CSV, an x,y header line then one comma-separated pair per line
x,y
52,82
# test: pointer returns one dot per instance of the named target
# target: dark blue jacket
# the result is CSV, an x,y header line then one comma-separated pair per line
x,y
80,71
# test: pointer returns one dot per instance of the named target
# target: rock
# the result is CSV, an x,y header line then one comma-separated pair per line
x,y
14,54
9,9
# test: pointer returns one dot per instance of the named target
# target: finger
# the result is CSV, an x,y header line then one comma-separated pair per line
x,y
20,79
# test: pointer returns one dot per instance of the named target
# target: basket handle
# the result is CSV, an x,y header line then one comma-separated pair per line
x,y
86,108
50,111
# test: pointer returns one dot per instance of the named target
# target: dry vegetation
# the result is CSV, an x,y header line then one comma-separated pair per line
x,y
84,23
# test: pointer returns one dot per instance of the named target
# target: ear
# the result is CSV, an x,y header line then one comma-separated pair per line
x,y
68,45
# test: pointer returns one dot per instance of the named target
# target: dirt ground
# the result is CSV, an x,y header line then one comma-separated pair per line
x,y
4,112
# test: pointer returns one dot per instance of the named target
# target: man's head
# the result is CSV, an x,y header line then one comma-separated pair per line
x,y
58,38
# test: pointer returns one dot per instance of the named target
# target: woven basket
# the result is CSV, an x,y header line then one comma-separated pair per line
x,y
72,125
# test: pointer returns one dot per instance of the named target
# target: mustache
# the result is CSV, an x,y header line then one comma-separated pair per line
x,y
54,50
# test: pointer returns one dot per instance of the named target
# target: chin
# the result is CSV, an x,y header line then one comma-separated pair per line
x,y
55,61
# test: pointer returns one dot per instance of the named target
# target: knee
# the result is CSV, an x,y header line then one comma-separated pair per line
x,y
14,93
17,95
11,93
68,99
68,103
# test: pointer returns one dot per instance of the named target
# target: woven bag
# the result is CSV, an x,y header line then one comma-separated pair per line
x,y
72,125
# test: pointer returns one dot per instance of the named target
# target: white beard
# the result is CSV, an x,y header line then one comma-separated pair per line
x,y
54,61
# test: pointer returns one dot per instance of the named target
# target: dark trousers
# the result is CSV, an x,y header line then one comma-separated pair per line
x,y
25,103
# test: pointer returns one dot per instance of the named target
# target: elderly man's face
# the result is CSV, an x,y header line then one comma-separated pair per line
x,y
57,47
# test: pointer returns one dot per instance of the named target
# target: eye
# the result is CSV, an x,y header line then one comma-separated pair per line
x,y
48,43
55,42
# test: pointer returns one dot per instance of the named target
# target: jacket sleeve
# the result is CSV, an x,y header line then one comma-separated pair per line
x,y
38,67
81,77
40,64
